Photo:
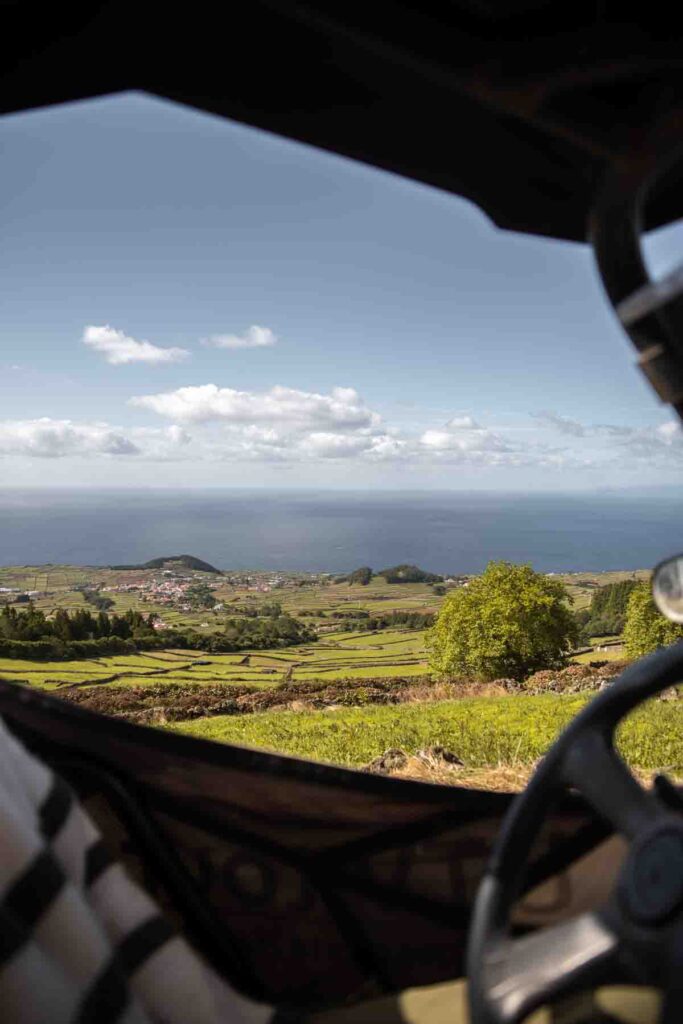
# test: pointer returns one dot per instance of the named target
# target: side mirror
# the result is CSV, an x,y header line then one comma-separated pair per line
x,y
667,588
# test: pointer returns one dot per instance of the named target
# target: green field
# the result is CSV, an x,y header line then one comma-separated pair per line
x,y
335,656
483,732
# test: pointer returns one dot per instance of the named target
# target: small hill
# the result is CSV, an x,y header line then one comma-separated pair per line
x,y
173,562
409,574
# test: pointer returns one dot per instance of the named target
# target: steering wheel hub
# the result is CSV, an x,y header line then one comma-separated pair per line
x,y
652,882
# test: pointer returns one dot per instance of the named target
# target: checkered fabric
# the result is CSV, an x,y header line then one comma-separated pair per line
x,y
79,941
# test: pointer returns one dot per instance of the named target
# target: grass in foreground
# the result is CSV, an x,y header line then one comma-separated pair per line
x,y
484,733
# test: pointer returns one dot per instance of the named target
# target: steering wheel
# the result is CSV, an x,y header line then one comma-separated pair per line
x,y
636,937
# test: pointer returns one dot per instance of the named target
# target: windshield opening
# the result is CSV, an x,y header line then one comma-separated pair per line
x,y
300,456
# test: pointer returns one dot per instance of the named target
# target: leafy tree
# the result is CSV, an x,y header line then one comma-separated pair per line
x,y
100,601
272,608
200,595
646,628
362,576
509,622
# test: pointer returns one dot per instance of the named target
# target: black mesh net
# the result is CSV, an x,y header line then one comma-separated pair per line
x,y
305,885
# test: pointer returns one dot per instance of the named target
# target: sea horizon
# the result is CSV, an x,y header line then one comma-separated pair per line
x,y
324,530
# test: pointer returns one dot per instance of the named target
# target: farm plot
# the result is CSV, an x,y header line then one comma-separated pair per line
x,y
341,655
362,655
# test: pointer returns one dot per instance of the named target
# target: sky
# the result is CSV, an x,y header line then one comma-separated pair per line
x,y
188,302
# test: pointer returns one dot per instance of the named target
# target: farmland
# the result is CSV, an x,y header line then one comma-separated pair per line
x,y
346,698
335,656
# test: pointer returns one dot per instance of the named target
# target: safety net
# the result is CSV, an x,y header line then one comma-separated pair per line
x,y
305,885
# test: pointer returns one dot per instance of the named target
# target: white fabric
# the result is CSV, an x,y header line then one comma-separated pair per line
x,y
48,975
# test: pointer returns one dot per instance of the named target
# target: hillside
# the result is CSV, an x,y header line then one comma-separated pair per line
x,y
172,562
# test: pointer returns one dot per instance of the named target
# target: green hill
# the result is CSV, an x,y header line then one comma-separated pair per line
x,y
174,562
409,574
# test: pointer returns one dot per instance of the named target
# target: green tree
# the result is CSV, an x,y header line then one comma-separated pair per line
x,y
509,622
646,628
409,574
200,595
362,576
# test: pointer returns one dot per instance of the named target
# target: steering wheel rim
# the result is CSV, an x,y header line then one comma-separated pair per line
x,y
633,937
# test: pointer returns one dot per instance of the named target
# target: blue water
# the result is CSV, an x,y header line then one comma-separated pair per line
x,y
335,532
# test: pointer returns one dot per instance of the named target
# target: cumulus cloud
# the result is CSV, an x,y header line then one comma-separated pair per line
x,y
341,409
49,439
118,349
291,426
253,337
463,436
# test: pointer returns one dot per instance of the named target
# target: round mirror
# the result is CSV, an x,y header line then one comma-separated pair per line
x,y
667,588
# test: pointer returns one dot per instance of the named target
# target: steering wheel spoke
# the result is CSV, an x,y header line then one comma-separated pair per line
x,y
637,936
593,767
572,956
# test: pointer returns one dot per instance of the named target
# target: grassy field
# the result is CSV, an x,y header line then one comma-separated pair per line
x,y
483,732
608,654
334,656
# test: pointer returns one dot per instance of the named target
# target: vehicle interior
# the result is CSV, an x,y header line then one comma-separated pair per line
x,y
563,121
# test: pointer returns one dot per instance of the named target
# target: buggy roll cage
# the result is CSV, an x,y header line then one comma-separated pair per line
x,y
540,113
650,312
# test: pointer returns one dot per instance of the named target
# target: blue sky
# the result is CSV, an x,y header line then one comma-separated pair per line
x,y
189,302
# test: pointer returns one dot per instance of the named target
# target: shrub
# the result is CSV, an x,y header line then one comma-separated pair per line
x,y
646,629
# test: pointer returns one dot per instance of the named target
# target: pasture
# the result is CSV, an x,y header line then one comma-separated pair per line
x,y
335,656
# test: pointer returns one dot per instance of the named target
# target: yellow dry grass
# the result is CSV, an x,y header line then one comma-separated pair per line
x,y
503,778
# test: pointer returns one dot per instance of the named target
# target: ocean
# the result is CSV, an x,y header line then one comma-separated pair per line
x,y
329,531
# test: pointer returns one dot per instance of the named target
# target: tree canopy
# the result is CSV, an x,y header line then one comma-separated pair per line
x,y
507,623
200,595
409,574
362,576
646,628
607,612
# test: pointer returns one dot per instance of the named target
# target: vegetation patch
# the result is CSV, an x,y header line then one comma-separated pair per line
x,y
482,732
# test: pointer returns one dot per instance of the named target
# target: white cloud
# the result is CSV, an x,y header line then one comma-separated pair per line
x,y
342,409
670,433
663,443
464,436
564,424
618,446
462,422
49,439
326,445
253,337
118,349
169,443
295,427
